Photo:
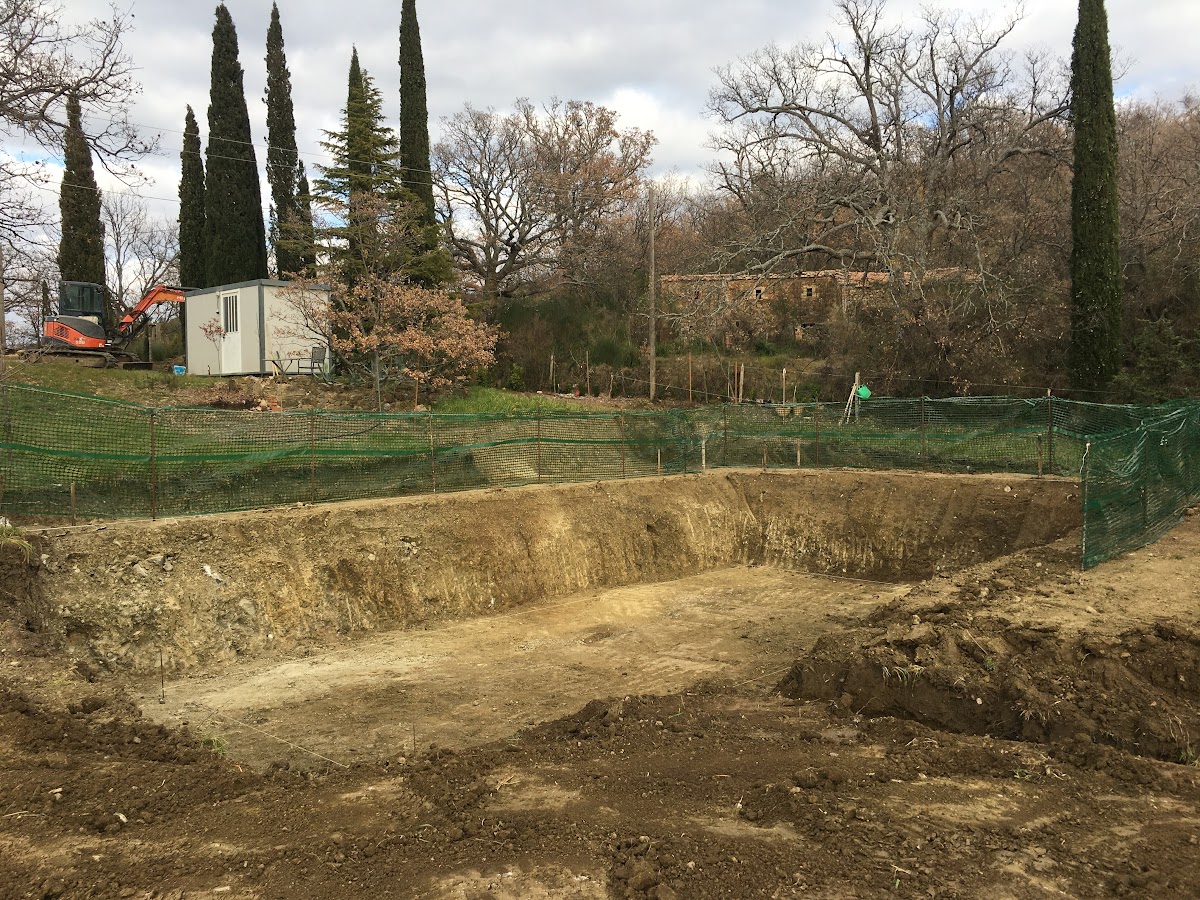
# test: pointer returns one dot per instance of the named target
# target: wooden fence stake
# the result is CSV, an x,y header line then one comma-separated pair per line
x,y
1050,430
153,470
689,378
660,460
312,458
621,420
924,459
432,455
587,371
818,419
725,446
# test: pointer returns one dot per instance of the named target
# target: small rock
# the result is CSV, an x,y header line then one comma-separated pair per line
x,y
1090,610
213,573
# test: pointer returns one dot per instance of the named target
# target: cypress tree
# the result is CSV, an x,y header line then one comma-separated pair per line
x,y
281,150
414,113
193,257
81,248
1095,351
306,241
237,249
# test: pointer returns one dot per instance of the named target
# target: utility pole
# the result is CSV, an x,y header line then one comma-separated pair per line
x,y
653,311
3,334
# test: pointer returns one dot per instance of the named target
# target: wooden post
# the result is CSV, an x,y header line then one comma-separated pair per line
x,y
432,455
611,378
652,292
764,459
539,447
312,458
153,470
741,382
725,446
416,393
552,373
621,420
1039,446
660,460
783,396
703,455
587,371
818,420
1050,430
924,460
689,378
797,454
72,503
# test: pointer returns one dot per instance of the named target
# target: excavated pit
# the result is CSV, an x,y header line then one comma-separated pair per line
x,y
192,592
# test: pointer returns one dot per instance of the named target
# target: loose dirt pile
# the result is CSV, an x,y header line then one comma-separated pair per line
x,y
955,665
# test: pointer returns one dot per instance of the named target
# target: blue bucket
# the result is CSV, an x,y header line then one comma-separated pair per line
x,y
179,370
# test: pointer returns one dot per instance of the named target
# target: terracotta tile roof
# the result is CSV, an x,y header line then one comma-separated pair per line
x,y
851,279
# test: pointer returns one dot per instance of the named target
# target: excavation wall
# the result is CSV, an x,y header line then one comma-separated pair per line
x,y
203,590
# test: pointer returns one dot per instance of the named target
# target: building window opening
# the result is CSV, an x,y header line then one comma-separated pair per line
x,y
229,310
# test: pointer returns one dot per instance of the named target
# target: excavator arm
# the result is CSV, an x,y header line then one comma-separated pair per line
x,y
133,321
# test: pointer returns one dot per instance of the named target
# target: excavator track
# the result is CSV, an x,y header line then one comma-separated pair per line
x,y
93,359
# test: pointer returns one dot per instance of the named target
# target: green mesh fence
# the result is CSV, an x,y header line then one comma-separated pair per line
x,y
65,455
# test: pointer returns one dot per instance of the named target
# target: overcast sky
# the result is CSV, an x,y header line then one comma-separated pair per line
x,y
651,60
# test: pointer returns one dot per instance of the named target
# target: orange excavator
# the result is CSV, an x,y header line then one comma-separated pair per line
x,y
75,329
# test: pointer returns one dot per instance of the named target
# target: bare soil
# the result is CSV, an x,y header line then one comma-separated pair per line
x,y
1013,729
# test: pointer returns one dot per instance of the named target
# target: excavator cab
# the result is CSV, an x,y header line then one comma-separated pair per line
x,y
78,322
81,299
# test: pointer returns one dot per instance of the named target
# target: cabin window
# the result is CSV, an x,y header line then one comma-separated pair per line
x,y
229,313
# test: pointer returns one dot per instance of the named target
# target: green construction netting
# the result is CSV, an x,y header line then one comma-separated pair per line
x,y
70,455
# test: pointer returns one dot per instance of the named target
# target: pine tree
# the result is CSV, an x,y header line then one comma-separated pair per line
x,y
81,248
281,150
363,177
1096,289
193,247
414,112
237,249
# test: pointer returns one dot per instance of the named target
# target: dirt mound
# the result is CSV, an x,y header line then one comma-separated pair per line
x,y
974,674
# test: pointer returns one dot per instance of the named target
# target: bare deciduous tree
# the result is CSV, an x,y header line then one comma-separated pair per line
x,y
870,148
522,193
141,250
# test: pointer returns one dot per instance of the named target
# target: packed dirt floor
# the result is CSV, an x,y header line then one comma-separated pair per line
x,y
1013,729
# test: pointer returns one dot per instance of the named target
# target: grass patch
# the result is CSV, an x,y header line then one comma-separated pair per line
x,y
12,540
484,400
59,375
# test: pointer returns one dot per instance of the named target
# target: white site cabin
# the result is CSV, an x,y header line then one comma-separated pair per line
x,y
255,328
